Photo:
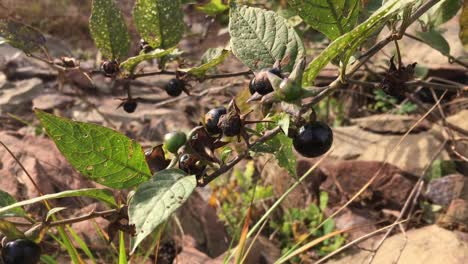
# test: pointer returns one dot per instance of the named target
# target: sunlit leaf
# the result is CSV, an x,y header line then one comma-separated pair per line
x,y
259,38
99,153
331,17
154,201
132,62
108,29
159,22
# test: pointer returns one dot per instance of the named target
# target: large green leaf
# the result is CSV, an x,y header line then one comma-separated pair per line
x,y
348,42
21,36
108,29
154,201
216,58
464,26
99,153
259,38
132,62
5,200
159,22
441,12
434,39
99,194
331,17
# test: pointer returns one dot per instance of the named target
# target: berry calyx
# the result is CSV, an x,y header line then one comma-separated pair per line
x,y
230,124
22,251
130,106
174,87
191,165
174,140
156,159
260,83
110,68
212,120
313,139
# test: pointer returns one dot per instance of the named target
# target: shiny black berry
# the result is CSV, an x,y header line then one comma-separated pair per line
x,y
21,251
191,165
110,68
313,139
130,106
212,120
174,87
260,82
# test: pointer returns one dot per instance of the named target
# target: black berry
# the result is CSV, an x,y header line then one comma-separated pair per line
x,y
174,87
130,106
260,82
110,68
212,119
313,139
191,165
22,251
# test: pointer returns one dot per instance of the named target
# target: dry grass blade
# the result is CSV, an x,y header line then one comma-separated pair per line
x,y
243,237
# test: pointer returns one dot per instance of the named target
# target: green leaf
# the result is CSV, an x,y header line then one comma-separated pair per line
x,y
132,62
284,121
10,231
441,12
200,71
54,211
464,26
280,145
259,38
213,8
122,253
108,29
434,39
46,259
350,41
99,153
331,17
5,200
99,194
159,22
21,36
154,201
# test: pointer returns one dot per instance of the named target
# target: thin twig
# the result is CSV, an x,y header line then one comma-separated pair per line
x,y
82,218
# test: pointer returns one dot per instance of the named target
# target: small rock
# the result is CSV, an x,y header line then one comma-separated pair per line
x,y
456,216
428,245
394,124
412,155
51,101
19,98
443,190
345,178
351,218
262,251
